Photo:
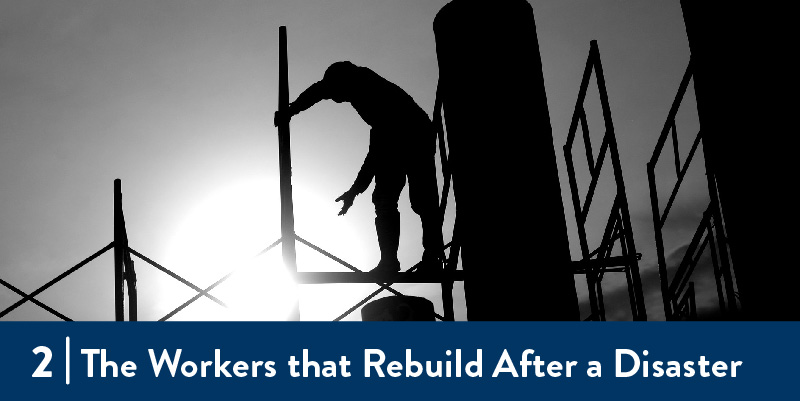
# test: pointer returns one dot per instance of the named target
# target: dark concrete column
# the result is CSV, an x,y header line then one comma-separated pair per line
x,y
505,179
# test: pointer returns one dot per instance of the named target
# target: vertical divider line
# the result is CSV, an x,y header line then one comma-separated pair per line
x,y
67,358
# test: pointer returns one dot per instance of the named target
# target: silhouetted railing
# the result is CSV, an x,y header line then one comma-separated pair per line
x,y
124,274
30,297
618,226
678,291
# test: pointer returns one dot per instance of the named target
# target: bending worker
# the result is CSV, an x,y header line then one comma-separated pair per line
x,y
402,143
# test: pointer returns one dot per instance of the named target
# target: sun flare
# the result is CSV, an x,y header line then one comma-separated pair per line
x,y
223,233
227,231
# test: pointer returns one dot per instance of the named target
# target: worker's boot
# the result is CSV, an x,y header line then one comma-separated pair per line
x,y
387,226
433,256
431,263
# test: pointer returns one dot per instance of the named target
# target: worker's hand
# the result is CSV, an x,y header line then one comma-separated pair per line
x,y
347,198
281,117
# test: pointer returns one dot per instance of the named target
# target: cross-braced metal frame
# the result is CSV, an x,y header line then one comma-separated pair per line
x,y
618,228
678,291
124,274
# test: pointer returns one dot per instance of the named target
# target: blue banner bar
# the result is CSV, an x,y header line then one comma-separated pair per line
x,y
399,360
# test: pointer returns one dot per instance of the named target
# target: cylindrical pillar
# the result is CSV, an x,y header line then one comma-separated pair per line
x,y
505,180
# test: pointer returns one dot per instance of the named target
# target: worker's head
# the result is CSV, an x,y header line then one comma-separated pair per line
x,y
338,77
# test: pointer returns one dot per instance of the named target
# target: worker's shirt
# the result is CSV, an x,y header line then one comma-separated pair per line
x,y
395,118
401,130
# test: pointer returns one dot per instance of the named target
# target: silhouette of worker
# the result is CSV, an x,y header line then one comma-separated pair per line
x,y
401,144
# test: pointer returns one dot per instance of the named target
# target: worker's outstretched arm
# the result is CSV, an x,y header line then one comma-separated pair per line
x,y
363,179
311,96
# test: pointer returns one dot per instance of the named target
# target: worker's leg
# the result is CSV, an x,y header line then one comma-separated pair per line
x,y
389,182
424,196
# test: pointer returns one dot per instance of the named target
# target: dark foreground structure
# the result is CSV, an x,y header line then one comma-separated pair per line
x,y
515,250
741,64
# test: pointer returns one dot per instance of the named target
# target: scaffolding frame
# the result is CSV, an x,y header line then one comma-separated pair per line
x,y
678,293
618,227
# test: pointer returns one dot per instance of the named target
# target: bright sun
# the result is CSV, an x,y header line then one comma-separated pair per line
x,y
223,233
227,229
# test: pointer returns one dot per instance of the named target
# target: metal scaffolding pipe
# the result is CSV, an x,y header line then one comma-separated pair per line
x,y
285,166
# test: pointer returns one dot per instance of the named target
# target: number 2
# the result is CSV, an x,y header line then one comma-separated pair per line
x,y
40,371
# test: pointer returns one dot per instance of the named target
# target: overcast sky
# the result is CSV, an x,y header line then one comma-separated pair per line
x,y
176,99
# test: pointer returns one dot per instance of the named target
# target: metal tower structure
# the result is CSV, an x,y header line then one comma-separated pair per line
x,y
618,227
677,289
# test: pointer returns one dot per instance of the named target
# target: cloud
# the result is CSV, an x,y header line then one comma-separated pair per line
x,y
617,302
705,286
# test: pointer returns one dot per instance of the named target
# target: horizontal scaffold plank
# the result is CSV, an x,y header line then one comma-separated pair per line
x,y
353,277
579,267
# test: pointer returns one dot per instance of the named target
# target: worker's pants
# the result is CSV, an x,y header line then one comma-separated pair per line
x,y
390,178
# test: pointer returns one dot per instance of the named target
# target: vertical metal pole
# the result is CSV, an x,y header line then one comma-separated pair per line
x,y
450,266
285,163
447,301
721,238
717,273
580,216
119,253
452,261
130,279
658,224
133,301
